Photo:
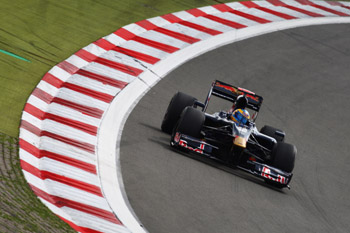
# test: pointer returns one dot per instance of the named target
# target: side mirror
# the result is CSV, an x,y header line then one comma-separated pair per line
x,y
198,104
280,133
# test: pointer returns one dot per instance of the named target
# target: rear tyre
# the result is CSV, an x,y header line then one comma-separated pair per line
x,y
271,132
191,122
283,156
177,104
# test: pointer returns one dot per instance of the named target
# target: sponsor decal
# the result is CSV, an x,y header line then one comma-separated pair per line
x,y
177,137
240,141
199,150
232,89
245,90
239,91
266,174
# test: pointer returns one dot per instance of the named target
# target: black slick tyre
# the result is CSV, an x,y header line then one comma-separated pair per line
x,y
283,159
191,122
283,156
177,104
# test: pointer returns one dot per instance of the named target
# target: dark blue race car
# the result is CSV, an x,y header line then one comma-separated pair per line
x,y
230,136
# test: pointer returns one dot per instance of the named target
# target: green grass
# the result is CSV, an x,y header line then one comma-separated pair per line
x,y
20,210
47,32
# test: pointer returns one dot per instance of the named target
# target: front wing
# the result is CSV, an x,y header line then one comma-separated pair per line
x,y
191,144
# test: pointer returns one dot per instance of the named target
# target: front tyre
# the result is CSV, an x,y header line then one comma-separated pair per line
x,y
283,156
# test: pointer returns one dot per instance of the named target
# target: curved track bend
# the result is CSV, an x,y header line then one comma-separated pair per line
x,y
303,75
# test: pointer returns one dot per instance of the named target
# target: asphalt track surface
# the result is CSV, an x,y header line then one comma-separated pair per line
x,y
303,75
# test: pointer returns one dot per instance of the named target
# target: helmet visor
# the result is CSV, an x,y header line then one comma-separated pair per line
x,y
240,118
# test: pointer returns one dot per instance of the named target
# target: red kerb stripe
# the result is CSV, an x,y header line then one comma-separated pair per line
x,y
106,45
279,3
60,202
34,111
90,129
279,14
62,179
146,24
79,228
70,161
119,66
251,17
51,79
94,94
222,7
174,19
179,36
140,56
249,4
200,28
70,68
31,149
31,128
307,2
337,4
225,22
309,13
44,96
103,79
171,18
123,33
304,2
155,44
196,12
225,8
87,56
90,111
76,143
79,144
334,3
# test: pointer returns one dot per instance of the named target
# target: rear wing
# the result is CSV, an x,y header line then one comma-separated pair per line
x,y
229,92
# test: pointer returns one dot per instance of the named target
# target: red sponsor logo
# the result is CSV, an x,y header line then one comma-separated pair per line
x,y
266,174
240,91
200,150
177,137
232,89
245,90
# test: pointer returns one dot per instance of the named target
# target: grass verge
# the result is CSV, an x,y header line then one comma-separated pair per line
x,y
20,209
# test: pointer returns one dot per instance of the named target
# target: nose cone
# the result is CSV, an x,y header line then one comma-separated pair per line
x,y
240,141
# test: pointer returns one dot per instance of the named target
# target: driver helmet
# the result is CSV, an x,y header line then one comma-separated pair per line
x,y
240,116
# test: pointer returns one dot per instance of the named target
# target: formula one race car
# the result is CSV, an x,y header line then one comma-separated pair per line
x,y
230,136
